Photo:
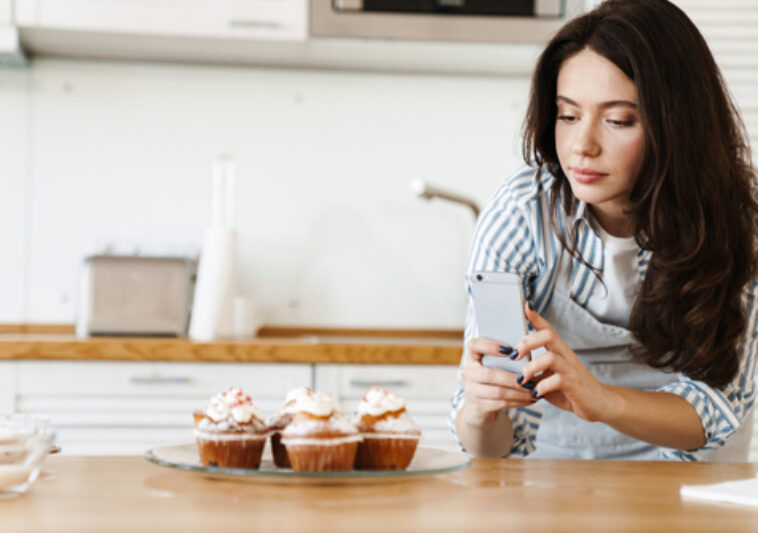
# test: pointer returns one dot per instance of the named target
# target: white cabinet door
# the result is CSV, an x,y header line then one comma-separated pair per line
x,y
6,12
107,408
235,19
7,386
426,388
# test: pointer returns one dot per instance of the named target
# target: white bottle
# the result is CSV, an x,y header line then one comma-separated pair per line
x,y
216,288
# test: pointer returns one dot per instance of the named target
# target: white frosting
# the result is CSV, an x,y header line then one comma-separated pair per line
x,y
204,435
403,423
235,404
322,442
316,403
335,424
295,398
379,401
389,436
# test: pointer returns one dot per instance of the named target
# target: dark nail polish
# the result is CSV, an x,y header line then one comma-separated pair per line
x,y
514,355
505,350
529,385
520,378
534,393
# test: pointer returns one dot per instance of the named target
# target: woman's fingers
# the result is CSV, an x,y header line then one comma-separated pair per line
x,y
549,384
489,376
544,336
491,406
547,363
532,341
478,347
482,391
535,319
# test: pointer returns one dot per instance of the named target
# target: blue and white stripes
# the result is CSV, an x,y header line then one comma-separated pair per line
x,y
514,234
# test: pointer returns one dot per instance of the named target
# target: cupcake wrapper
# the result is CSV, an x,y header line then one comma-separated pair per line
x,y
385,453
322,457
281,459
231,453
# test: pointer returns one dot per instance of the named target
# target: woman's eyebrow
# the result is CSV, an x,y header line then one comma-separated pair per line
x,y
609,103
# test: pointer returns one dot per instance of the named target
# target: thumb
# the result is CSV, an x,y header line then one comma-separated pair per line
x,y
535,319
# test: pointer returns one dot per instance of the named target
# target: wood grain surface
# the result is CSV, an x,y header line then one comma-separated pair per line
x,y
120,494
278,345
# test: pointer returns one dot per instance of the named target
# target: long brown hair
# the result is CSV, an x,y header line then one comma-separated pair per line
x,y
692,204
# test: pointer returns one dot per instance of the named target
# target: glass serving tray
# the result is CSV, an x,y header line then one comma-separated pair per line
x,y
426,461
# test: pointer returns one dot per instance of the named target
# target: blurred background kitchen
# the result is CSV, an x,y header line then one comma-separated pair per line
x,y
114,116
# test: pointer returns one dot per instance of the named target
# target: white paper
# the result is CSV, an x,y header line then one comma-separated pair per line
x,y
742,492
213,306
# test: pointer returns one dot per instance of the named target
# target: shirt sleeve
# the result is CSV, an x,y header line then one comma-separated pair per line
x,y
722,410
502,243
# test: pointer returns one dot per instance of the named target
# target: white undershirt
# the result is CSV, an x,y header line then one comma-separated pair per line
x,y
612,302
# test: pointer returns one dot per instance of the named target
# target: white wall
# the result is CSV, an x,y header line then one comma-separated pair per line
x,y
98,152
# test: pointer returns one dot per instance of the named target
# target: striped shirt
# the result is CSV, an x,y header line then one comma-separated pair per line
x,y
513,234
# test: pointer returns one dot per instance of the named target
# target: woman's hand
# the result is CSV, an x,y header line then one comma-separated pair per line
x,y
489,390
559,375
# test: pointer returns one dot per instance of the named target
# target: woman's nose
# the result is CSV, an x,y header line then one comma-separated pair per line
x,y
586,142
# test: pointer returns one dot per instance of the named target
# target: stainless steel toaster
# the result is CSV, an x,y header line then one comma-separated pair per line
x,y
135,295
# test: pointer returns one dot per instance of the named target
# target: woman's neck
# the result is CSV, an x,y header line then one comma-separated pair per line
x,y
614,223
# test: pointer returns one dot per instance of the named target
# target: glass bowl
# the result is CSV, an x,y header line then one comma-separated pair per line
x,y
25,441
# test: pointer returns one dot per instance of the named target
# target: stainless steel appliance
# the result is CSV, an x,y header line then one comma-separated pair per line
x,y
494,21
135,295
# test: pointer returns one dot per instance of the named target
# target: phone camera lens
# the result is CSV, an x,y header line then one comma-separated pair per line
x,y
478,277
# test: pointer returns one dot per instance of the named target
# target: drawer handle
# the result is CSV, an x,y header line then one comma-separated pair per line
x,y
387,383
255,24
158,380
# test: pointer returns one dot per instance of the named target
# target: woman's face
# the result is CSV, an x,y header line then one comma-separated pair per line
x,y
598,134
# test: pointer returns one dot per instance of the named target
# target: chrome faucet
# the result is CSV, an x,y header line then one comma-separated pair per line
x,y
423,190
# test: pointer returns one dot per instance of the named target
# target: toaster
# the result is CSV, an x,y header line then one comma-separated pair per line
x,y
135,295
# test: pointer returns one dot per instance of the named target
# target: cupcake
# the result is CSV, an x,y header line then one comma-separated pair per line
x,y
230,432
279,420
390,435
318,439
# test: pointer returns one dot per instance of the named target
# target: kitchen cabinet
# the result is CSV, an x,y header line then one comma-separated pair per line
x,y
6,12
281,20
7,386
239,32
426,388
124,408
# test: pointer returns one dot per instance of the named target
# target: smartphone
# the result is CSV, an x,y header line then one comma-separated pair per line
x,y
499,311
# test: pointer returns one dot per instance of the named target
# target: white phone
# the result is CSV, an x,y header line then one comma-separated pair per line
x,y
499,310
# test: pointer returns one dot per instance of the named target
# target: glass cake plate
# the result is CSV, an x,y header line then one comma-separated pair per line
x,y
426,461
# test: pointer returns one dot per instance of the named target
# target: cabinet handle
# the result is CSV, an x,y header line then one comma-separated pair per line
x,y
255,24
386,383
159,380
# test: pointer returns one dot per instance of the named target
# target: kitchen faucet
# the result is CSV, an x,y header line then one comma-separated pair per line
x,y
423,190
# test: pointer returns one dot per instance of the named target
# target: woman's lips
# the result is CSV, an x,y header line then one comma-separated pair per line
x,y
587,175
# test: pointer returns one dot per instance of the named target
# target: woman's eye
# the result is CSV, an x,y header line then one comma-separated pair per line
x,y
620,123
567,118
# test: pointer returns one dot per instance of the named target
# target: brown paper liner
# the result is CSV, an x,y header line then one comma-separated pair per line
x,y
385,453
322,457
231,453
281,459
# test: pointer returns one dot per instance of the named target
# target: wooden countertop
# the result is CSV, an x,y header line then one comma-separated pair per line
x,y
82,494
274,345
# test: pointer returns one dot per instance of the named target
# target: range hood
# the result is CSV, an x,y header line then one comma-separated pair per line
x,y
475,21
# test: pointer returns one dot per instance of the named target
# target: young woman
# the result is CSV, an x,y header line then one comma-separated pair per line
x,y
633,229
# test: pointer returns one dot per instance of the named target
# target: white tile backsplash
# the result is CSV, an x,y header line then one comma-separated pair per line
x,y
96,152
